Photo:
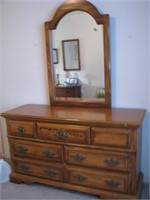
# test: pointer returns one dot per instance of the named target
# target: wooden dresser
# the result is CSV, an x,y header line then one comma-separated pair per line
x,y
90,150
68,91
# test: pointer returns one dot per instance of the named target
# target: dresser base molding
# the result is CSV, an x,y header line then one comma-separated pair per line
x,y
20,178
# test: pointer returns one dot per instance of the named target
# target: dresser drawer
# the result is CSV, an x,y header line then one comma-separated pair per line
x,y
64,92
98,179
114,137
97,158
21,129
63,133
52,171
37,150
68,91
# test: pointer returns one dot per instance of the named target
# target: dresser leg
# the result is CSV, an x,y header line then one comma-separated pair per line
x,y
99,196
16,180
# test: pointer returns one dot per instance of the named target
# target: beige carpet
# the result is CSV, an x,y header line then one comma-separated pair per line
x,y
43,192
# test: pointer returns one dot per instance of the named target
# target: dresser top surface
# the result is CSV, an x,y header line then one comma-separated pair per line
x,y
120,116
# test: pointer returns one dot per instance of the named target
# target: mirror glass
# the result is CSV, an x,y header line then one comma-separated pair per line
x,y
81,25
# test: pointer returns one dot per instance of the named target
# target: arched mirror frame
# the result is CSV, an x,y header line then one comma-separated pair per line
x,y
67,7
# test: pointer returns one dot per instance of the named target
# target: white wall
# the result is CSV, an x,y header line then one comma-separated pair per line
x,y
149,62
0,69
148,100
24,74
0,54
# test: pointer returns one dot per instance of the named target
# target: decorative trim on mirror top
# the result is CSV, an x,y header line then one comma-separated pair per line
x,y
67,7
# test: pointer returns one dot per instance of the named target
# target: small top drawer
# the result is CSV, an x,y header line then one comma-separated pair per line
x,y
63,133
64,92
68,91
114,137
21,128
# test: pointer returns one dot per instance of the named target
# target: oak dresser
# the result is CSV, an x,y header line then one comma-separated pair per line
x,y
90,150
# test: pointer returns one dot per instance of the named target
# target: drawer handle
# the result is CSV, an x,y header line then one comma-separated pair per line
x,y
22,149
78,157
49,154
67,92
79,177
112,183
21,130
61,134
112,162
24,167
50,172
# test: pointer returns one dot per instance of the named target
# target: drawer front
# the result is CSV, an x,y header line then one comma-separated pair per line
x,y
51,171
37,150
22,129
97,179
97,158
64,92
63,133
111,137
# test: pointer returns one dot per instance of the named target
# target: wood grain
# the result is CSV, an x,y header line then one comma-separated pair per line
x,y
122,117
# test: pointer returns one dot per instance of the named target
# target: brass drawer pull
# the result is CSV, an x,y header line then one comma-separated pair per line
x,y
80,177
112,162
24,167
50,172
112,183
22,149
49,154
21,130
67,92
78,157
61,134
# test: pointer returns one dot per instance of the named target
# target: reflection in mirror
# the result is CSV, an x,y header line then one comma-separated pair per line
x,y
55,56
71,54
91,77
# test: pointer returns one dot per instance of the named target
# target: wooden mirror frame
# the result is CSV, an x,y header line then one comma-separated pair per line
x,y
85,6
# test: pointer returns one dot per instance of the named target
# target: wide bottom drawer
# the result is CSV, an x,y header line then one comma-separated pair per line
x,y
98,179
52,171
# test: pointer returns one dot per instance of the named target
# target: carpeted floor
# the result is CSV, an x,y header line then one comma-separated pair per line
x,y
43,192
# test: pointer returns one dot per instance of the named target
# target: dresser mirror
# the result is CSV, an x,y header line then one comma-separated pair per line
x,y
80,35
